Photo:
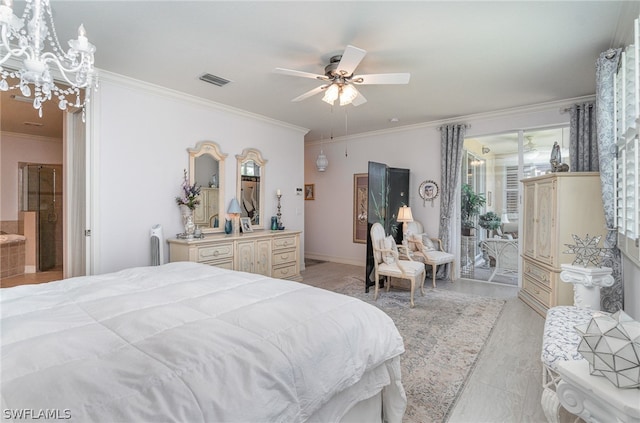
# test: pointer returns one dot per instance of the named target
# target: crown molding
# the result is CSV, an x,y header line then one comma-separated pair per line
x,y
150,88
559,106
30,137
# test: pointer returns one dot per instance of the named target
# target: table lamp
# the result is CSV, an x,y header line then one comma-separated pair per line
x,y
404,216
234,211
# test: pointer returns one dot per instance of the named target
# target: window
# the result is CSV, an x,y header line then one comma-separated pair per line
x,y
511,192
627,116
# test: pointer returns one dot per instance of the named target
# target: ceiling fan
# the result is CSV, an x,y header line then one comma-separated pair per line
x,y
340,80
530,146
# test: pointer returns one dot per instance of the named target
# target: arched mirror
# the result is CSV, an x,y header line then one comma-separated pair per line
x,y
206,169
250,185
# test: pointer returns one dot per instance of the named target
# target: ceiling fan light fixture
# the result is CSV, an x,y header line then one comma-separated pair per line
x,y
331,94
347,94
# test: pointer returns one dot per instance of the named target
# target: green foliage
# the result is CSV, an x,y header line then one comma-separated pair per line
x,y
471,205
489,220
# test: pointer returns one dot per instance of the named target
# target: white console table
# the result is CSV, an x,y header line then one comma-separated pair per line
x,y
594,398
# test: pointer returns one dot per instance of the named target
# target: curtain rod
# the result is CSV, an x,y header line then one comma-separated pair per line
x,y
579,105
466,125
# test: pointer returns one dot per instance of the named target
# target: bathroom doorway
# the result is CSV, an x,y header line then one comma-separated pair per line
x,y
41,193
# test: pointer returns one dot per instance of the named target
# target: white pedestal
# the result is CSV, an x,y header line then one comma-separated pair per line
x,y
587,282
594,398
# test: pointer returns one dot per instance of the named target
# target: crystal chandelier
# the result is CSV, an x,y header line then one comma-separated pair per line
x,y
32,39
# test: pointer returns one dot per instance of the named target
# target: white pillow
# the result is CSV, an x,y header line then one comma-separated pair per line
x,y
389,244
428,245
414,241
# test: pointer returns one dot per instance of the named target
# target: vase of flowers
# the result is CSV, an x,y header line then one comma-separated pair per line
x,y
187,202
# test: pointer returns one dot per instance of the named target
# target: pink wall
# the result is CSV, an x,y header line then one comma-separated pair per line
x,y
16,148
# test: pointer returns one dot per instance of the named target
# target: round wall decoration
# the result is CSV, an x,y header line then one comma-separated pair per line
x,y
428,191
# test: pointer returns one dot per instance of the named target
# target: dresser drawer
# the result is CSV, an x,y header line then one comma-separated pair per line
x,y
224,264
537,273
536,290
215,252
284,256
284,272
284,242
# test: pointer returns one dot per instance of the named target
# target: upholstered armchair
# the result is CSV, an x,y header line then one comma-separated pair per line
x,y
387,262
427,250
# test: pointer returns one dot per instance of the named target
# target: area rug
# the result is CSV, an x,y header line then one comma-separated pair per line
x,y
443,335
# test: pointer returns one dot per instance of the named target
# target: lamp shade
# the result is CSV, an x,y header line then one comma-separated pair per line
x,y
234,207
322,162
404,214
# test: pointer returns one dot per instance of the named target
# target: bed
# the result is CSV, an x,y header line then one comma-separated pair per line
x,y
194,343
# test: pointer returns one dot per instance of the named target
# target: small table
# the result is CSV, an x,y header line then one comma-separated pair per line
x,y
594,398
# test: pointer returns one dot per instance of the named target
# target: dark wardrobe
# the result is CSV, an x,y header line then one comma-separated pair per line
x,y
388,191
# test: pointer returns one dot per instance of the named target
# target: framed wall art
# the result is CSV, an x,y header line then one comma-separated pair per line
x,y
360,205
428,191
309,192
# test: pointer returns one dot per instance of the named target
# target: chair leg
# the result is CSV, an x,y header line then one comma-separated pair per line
x,y
387,283
434,274
453,271
413,287
424,276
375,293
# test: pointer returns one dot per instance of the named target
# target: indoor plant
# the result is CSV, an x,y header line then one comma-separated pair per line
x,y
471,205
489,221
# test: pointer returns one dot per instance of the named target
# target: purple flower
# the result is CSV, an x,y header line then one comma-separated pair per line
x,y
190,194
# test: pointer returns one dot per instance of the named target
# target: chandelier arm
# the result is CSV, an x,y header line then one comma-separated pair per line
x,y
11,52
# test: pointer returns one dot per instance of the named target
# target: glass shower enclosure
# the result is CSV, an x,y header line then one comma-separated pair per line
x,y
42,193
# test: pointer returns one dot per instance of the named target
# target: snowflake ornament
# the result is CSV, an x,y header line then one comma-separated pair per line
x,y
587,251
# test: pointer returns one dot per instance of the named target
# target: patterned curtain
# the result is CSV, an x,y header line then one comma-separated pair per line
x,y
583,145
611,298
451,142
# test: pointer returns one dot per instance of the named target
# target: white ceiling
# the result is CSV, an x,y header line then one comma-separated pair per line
x,y
465,57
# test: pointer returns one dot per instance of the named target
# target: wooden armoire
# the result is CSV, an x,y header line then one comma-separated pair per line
x,y
556,207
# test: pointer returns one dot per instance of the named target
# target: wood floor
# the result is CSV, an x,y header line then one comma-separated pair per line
x,y
31,278
506,383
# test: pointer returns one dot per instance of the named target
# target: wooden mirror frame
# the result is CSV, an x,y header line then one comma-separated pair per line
x,y
256,156
212,149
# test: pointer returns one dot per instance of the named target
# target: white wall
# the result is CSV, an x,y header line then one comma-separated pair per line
x,y
16,148
141,135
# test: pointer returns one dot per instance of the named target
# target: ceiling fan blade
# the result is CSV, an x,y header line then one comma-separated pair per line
x,y
359,99
382,78
291,72
350,60
310,93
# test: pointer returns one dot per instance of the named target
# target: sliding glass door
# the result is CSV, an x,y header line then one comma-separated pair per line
x,y
492,168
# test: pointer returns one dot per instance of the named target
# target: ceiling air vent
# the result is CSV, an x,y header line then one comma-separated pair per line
x,y
215,80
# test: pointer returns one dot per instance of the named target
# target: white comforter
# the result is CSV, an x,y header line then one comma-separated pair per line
x,y
192,343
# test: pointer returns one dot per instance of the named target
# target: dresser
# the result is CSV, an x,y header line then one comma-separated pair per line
x,y
270,253
556,206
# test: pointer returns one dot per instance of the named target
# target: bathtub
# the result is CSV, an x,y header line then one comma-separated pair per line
x,y
8,238
12,255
